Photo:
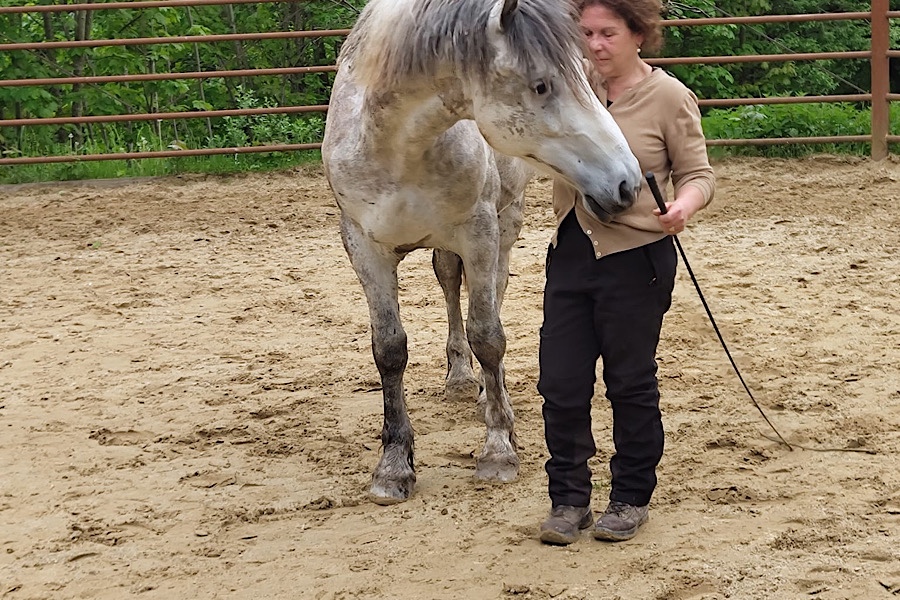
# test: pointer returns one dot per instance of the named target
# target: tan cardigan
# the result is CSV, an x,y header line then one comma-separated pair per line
x,y
661,122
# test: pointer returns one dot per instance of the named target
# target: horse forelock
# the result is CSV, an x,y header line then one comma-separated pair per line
x,y
397,40
544,34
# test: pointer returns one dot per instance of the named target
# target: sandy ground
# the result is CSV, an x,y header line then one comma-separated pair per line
x,y
189,407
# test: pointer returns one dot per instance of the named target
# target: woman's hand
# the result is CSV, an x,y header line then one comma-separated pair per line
x,y
688,201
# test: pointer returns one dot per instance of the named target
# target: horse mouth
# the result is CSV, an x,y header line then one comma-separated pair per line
x,y
601,213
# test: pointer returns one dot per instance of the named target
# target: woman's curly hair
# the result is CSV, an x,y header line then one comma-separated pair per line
x,y
641,16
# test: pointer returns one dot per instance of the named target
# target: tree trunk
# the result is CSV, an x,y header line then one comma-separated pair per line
x,y
82,32
49,57
239,53
209,128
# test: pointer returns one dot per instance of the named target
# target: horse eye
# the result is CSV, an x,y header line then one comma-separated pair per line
x,y
540,88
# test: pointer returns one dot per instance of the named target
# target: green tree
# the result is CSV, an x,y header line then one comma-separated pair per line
x,y
170,95
789,78
709,81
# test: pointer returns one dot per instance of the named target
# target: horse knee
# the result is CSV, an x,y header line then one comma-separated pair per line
x,y
488,343
390,351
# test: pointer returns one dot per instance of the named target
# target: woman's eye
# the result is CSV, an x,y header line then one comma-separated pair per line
x,y
540,88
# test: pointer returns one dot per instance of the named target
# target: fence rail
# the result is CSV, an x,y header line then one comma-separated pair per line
x,y
175,39
878,56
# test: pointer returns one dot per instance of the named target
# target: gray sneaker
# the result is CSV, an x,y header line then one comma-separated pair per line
x,y
565,523
620,521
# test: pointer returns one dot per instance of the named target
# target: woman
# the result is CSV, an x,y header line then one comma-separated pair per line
x,y
609,284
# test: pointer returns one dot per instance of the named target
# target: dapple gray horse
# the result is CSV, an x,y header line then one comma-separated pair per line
x,y
438,111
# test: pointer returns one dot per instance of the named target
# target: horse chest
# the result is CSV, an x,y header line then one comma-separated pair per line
x,y
410,215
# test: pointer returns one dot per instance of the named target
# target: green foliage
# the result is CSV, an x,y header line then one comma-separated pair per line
x,y
772,121
800,120
776,78
743,80
255,130
708,81
169,96
112,169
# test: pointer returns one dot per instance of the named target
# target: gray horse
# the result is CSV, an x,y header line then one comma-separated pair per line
x,y
438,112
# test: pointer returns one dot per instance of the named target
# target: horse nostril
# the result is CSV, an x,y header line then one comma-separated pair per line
x,y
627,194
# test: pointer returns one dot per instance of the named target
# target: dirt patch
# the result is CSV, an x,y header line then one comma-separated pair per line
x,y
189,406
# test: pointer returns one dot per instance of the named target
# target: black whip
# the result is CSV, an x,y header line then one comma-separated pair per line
x,y
654,188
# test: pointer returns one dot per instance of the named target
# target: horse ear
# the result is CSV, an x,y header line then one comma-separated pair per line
x,y
506,15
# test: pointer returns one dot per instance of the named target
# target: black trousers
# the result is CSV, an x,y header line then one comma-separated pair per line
x,y
611,308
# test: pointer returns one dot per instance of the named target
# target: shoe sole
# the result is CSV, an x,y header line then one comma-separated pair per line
x,y
608,535
556,538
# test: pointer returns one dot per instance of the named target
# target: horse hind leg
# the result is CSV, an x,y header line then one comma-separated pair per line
x,y
510,220
394,477
461,383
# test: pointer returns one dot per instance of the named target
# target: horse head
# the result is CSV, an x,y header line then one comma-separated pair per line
x,y
534,102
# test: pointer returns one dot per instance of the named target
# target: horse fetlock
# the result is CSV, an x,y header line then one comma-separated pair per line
x,y
461,384
481,407
498,414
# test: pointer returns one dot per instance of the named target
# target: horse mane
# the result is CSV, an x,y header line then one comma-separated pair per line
x,y
397,40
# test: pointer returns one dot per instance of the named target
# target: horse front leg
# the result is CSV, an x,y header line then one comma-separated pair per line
x,y
394,477
498,460
461,383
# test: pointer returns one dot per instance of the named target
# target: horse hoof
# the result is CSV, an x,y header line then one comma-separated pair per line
x,y
387,493
385,500
461,390
501,469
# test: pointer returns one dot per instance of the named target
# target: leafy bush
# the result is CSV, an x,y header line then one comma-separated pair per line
x,y
791,120
256,130
776,78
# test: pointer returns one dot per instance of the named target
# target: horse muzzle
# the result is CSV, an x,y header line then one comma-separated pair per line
x,y
613,205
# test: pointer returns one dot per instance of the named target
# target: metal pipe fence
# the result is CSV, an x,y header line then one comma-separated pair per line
x,y
878,55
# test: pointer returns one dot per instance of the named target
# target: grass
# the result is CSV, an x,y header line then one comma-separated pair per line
x,y
114,169
738,122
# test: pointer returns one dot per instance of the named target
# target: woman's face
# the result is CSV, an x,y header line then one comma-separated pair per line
x,y
614,47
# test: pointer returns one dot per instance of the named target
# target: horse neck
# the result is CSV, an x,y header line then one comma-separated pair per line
x,y
407,122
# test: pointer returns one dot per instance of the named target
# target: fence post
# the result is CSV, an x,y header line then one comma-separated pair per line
x,y
880,79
